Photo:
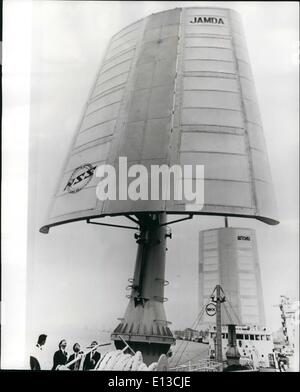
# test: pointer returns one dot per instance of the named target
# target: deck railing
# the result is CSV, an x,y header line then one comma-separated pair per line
x,y
203,365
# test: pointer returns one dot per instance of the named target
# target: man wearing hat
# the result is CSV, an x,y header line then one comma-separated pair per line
x,y
92,358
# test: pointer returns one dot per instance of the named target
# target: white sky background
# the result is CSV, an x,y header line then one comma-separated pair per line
x,y
77,274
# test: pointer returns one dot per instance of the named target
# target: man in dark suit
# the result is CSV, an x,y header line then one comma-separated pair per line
x,y
77,354
60,356
92,358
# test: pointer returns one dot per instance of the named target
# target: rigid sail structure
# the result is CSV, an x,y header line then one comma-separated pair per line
x,y
229,256
174,88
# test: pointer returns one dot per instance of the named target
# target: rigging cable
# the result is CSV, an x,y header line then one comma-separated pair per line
x,y
186,344
228,314
235,314
195,323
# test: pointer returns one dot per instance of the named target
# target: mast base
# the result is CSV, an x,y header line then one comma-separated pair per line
x,y
152,347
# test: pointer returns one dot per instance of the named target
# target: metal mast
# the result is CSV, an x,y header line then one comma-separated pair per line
x,y
218,299
144,324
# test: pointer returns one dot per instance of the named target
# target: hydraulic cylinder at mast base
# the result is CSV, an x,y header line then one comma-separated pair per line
x,y
144,326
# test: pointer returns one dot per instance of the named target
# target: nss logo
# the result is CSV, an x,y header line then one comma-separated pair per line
x,y
80,177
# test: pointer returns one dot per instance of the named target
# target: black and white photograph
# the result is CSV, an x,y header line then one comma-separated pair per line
x,y
150,187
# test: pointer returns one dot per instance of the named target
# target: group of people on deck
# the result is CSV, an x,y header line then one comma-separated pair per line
x,y
61,358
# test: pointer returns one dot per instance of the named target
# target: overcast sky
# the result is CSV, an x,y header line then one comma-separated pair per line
x,y
77,274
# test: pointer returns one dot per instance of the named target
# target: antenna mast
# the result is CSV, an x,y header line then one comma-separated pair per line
x,y
218,299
